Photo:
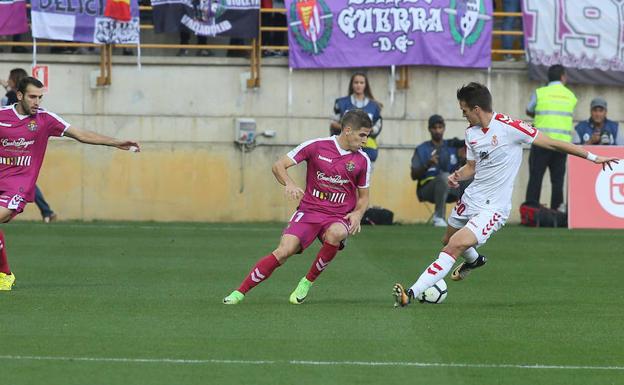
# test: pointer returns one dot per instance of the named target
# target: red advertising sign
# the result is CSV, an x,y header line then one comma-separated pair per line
x,y
596,197
41,73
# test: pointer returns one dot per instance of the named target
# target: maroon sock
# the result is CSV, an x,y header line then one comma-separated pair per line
x,y
4,262
263,270
325,255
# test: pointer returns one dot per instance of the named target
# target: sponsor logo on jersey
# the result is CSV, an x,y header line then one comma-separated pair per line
x,y
350,166
16,160
484,155
333,179
321,157
329,196
21,142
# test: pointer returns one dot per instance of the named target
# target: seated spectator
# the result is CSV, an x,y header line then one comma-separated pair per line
x,y
432,163
598,129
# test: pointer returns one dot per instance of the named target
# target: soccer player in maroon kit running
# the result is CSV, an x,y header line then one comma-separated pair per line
x,y
335,199
24,132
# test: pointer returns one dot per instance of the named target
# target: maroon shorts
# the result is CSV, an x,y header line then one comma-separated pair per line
x,y
308,226
13,201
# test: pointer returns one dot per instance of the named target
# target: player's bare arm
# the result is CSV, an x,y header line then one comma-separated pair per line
x,y
547,142
355,216
90,137
291,190
466,172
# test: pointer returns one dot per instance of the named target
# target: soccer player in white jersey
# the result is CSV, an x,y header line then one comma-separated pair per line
x,y
494,153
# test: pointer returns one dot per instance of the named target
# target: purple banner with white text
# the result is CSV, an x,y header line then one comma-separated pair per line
x,y
78,21
375,33
13,17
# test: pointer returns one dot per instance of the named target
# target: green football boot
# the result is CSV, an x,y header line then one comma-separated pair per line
x,y
301,291
234,298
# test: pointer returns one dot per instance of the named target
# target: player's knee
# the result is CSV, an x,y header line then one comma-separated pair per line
x,y
5,216
445,240
456,246
335,234
282,253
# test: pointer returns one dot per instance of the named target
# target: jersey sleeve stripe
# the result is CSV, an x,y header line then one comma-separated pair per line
x,y
368,170
293,153
59,119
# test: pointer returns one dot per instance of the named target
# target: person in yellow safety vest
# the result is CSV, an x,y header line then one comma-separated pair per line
x,y
552,107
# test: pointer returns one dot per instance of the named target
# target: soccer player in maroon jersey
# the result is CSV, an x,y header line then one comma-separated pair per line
x,y
331,207
24,132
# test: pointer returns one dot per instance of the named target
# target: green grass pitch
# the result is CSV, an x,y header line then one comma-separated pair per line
x,y
140,303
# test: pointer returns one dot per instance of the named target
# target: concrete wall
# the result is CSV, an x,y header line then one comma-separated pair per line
x,y
182,110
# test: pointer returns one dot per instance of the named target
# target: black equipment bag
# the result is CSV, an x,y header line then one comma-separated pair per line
x,y
377,216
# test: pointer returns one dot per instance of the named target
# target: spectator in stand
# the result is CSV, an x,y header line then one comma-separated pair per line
x,y
510,23
360,97
553,109
432,163
598,129
273,38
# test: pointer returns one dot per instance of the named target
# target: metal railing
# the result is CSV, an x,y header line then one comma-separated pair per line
x,y
255,48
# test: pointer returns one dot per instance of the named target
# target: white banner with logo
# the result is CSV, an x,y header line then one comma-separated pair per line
x,y
585,36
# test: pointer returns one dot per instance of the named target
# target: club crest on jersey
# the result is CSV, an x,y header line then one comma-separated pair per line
x,y
350,166
32,126
484,155
494,141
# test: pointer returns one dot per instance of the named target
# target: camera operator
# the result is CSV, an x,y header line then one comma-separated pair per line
x,y
432,163
598,130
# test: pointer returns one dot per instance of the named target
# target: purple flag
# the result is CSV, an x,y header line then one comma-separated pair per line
x,y
13,17
374,33
58,20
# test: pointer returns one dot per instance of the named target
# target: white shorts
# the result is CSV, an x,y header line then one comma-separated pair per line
x,y
482,223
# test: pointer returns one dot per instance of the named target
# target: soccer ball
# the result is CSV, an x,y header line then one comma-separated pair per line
x,y
435,294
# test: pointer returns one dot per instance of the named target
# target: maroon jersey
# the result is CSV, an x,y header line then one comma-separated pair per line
x,y
23,142
333,176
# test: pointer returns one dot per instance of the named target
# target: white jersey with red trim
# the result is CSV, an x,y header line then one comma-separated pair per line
x,y
497,152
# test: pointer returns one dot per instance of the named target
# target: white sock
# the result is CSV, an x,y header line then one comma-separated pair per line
x,y
435,272
470,255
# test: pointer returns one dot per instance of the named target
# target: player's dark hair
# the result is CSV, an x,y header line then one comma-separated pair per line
x,y
27,81
555,72
475,94
356,119
16,75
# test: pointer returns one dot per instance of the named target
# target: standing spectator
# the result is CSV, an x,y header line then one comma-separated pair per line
x,y
553,108
185,38
185,32
598,129
10,85
509,24
359,96
432,163
273,19
15,76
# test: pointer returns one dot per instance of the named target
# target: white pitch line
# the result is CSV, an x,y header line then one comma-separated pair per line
x,y
311,363
163,226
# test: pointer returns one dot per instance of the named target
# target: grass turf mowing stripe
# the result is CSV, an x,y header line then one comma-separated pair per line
x,y
311,363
